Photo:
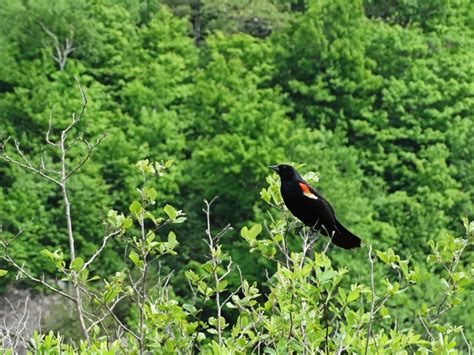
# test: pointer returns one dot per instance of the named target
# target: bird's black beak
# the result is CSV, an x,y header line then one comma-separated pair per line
x,y
273,167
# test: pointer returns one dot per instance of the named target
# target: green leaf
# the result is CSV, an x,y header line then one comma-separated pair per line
x,y
250,235
112,217
84,274
256,230
150,194
172,242
190,308
127,223
47,253
342,295
169,345
382,256
77,264
384,312
170,211
191,276
222,285
3,272
212,321
404,266
179,220
136,209
145,167
353,295
200,336
133,256
265,196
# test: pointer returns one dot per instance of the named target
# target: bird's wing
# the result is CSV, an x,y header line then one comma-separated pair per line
x,y
310,192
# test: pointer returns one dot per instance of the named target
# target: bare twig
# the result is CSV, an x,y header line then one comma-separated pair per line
x,y
424,326
90,148
107,314
70,233
60,178
372,305
212,242
214,266
15,333
143,294
99,251
122,325
468,343
62,50
27,164
48,132
41,281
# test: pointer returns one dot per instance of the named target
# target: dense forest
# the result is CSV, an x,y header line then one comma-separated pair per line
x,y
170,103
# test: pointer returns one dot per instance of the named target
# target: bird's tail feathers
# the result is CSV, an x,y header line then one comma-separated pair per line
x,y
344,238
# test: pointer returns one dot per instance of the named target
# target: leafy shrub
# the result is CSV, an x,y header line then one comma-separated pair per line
x,y
308,306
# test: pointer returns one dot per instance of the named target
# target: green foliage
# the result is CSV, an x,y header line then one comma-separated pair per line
x,y
308,305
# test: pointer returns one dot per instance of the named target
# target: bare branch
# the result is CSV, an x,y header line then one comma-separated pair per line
x,y
44,168
372,305
48,132
424,326
90,148
35,279
27,165
119,322
468,343
212,242
99,251
62,50
15,332
84,98
104,316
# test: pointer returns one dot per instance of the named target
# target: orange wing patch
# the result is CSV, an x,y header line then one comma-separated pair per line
x,y
306,191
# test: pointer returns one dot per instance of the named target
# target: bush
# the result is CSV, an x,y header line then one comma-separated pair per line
x,y
306,306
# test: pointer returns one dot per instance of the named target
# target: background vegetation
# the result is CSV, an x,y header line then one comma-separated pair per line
x,y
376,96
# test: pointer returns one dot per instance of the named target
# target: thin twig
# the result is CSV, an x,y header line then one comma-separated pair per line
x,y
99,251
48,132
105,315
35,279
372,305
27,165
424,326
468,343
90,148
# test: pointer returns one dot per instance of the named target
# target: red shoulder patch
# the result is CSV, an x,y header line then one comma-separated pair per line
x,y
306,191
304,188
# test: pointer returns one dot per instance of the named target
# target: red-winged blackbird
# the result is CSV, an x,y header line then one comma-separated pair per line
x,y
311,208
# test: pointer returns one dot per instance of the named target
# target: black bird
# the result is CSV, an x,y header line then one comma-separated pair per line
x,y
311,208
